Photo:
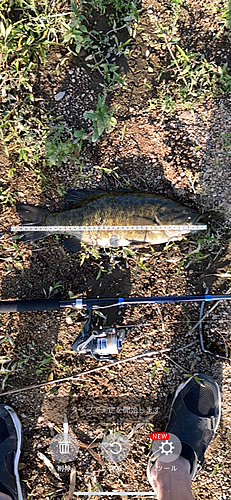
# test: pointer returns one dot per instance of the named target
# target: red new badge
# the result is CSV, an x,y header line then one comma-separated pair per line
x,y
159,436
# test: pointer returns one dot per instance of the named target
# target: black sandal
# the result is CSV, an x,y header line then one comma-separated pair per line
x,y
10,449
194,417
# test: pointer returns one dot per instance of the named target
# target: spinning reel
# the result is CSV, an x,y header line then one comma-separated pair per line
x,y
99,343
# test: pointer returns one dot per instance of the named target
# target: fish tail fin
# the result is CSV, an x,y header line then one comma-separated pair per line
x,y
31,215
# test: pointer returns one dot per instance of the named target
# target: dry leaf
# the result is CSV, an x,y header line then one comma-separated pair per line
x,y
21,466
50,466
72,483
96,457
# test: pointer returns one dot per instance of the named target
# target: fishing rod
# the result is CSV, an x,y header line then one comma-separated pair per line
x,y
102,344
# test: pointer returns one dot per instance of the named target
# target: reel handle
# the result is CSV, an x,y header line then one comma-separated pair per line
x,y
29,305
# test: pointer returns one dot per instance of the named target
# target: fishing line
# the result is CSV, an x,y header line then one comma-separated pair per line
x,y
88,372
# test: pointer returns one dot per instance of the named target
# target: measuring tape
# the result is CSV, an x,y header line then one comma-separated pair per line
x,y
197,227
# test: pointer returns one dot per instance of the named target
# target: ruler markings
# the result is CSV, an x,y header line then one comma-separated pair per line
x,y
197,227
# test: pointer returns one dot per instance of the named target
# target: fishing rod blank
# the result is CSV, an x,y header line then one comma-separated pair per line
x,y
56,304
101,344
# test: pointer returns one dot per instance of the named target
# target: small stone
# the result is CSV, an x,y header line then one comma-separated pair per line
x,y
59,96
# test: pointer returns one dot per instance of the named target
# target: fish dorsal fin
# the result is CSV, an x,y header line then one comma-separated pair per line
x,y
76,196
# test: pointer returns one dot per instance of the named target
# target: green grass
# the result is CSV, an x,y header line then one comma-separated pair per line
x,y
15,359
123,10
101,119
205,247
25,43
226,15
190,77
152,375
28,32
38,144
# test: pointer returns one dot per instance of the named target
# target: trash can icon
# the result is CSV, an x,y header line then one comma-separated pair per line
x,y
64,447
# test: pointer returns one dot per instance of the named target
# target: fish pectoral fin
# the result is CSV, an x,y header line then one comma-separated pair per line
x,y
77,196
33,235
141,220
139,244
73,244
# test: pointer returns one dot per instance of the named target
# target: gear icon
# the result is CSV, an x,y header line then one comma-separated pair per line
x,y
170,450
167,450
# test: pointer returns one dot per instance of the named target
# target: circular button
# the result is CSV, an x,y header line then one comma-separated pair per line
x,y
115,447
64,448
167,450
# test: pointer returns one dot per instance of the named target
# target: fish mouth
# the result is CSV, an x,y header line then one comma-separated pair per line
x,y
193,218
202,218
196,219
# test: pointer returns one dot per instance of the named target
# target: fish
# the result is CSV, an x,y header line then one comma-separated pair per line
x,y
117,208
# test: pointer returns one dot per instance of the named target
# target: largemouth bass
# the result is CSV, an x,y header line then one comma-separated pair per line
x,y
120,208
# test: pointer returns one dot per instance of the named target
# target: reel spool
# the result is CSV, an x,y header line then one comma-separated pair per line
x,y
101,344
